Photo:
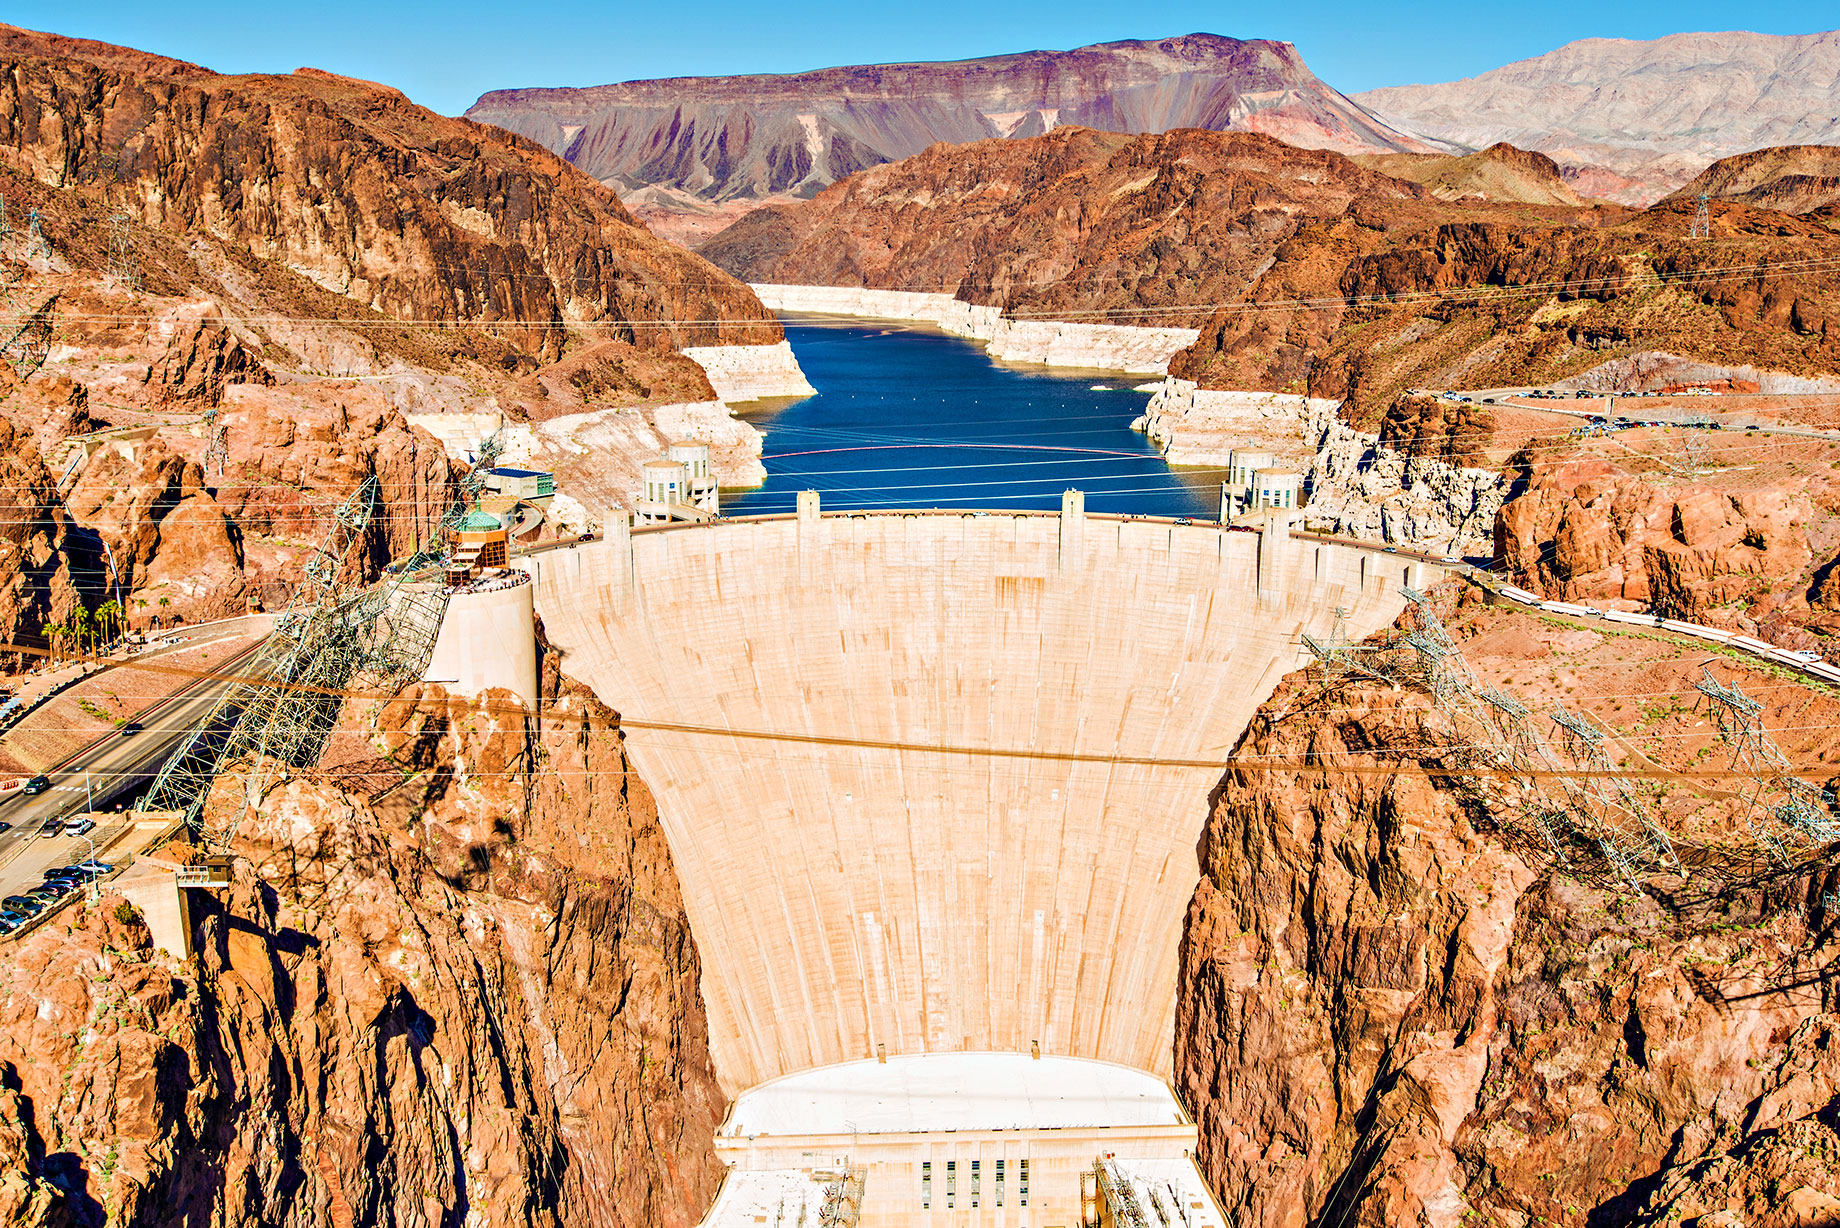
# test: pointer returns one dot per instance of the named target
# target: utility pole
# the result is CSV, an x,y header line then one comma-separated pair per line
x,y
1702,220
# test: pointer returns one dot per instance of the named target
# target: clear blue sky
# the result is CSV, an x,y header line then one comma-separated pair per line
x,y
444,55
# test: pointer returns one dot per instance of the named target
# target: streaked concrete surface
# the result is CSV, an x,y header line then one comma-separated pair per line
x,y
852,900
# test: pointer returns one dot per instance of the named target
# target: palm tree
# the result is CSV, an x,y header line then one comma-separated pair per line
x,y
108,618
52,631
80,625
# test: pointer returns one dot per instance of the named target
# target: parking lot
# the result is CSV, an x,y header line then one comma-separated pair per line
x,y
115,840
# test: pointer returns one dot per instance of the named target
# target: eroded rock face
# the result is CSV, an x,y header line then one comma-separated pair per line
x,y
1369,304
1585,531
468,998
1061,224
1389,1016
37,555
1364,486
369,196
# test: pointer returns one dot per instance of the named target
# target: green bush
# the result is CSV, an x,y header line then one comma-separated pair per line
x,y
127,913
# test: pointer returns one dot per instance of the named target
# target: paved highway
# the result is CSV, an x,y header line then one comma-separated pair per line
x,y
113,765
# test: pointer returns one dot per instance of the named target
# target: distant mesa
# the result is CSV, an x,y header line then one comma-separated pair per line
x,y
714,139
1631,121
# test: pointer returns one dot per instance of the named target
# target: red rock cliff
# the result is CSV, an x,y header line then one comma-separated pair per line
x,y
1391,1015
467,996
415,215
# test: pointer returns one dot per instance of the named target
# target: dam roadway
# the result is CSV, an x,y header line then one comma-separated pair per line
x,y
1048,700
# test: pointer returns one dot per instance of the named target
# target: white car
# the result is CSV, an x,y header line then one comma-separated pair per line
x,y
1805,654
1593,611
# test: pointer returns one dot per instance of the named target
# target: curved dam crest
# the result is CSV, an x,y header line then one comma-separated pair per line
x,y
853,901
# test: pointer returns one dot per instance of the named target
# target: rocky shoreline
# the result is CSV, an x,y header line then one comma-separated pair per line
x,y
1054,343
751,372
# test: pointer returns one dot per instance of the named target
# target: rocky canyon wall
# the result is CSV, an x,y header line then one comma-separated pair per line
x,y
1394,1012
346,182
451,984
1376,486
1363,487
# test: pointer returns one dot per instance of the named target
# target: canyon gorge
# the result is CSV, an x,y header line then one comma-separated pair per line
x,y
1227,823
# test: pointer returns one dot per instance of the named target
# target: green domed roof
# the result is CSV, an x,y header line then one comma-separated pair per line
x,y
476,520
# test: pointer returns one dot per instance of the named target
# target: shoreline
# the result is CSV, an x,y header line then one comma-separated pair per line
x,y
1119,348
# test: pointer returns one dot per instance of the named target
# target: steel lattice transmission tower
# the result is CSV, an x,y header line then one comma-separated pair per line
x,y
124,265
217,447
1780,807
25,340
332,637
36,242
1702,220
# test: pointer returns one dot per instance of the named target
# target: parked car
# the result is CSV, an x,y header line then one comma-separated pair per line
x,y
94,866
24,904
38,784
52,827
51,889
79,827
131,728
8,925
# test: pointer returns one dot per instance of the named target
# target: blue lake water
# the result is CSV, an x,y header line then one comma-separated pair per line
x,y
909,417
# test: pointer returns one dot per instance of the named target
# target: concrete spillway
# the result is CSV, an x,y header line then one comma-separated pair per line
x,y
855,900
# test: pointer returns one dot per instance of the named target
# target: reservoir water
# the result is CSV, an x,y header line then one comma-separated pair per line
x,y
906,416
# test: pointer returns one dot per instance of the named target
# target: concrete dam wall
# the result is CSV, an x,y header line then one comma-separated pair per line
x,y
996,869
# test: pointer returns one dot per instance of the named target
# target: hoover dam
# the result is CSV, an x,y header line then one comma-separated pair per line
x,y
933,781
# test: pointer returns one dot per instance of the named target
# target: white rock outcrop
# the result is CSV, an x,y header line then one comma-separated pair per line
x,y
1651,370
596,456
1360,488
1055,343
751,372
1355,486
1200,426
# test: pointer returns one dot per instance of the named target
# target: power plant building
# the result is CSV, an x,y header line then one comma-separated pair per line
x,y
1236,496
529,484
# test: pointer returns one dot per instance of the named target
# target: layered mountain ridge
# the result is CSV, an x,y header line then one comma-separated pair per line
x,y
721,138
1308,272
1791,179
416,216
1632,120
